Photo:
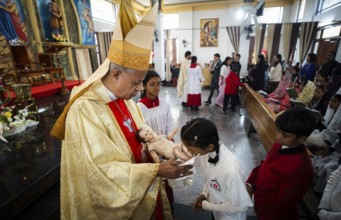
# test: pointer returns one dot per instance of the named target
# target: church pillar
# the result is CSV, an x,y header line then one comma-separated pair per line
x,y
35,28
159,47
69,49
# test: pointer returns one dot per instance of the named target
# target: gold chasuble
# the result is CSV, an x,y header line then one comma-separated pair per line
x,y
100,178
104,174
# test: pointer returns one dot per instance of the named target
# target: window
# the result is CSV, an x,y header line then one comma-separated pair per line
x,y
331,32
301,8
270,15
103,11
170,21
325,5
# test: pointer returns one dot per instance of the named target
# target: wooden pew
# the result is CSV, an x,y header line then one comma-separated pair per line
x,y
263,121
261,116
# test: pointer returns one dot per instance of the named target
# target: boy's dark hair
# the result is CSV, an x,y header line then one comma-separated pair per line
x,y
201,132
139,138
150,74
238,55
188,53
217,55
297,121
194,59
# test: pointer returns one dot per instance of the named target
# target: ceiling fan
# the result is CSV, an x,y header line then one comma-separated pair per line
x,y
252,11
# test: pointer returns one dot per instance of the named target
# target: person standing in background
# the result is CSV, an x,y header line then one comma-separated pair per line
x,y
308,70
329,66
215,72
195,79
183,80
156,111
275,73
235,65
224,72
157,114
257,74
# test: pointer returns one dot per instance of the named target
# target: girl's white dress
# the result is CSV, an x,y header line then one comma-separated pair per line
x,y
224,186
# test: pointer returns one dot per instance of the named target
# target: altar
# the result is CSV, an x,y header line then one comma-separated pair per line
x,y
30,163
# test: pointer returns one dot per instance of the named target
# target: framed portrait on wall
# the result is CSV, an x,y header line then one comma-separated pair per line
x,y
209,32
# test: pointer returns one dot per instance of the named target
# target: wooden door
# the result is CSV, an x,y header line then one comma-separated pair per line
x,y
324,47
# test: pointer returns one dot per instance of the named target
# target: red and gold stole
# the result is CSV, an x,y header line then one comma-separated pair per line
x,y
122,114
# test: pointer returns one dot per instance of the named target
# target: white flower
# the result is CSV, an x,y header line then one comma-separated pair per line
x,y
9,119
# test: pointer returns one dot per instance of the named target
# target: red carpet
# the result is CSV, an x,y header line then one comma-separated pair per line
x,y
51,89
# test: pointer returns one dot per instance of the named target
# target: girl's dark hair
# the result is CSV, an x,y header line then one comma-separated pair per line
x,y
226,60
322,87
279,56
194,59
201,132
261,59
150,74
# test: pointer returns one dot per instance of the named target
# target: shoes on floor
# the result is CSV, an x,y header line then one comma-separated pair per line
x,y
207,102
224,112
196,108
184,104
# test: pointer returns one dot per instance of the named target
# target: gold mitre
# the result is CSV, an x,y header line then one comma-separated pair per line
x,y
131,42
130,47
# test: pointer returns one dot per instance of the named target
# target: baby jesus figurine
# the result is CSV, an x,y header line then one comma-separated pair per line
x,y
159,145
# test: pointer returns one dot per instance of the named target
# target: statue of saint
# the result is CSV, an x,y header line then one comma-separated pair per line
x,y
56,17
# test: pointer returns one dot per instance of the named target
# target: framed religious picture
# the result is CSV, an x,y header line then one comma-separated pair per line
x,y
12,22
85,20
209,32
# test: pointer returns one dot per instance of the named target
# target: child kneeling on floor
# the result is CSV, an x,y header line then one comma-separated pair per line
x,y
223,192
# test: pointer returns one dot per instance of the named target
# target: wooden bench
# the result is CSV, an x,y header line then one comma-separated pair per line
x,y
261,116
263,121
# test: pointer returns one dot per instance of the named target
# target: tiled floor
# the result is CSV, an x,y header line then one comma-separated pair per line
x,y
232,128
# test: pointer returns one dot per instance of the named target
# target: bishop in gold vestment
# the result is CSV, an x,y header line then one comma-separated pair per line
x,y
102,181
100,177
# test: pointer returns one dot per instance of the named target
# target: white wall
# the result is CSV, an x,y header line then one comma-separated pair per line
x,y
185,33
191,20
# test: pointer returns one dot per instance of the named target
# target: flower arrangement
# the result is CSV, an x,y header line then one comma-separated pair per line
x,y
14,121
59,38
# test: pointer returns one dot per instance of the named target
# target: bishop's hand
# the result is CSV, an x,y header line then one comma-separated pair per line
x,y
170,169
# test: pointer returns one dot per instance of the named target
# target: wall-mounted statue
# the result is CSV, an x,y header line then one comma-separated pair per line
x,y
55,17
